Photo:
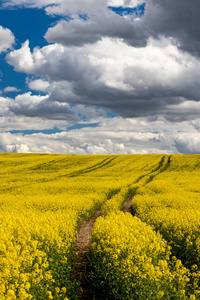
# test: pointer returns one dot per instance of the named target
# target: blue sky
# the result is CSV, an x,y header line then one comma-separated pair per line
x,y
32,24
113,76
26,24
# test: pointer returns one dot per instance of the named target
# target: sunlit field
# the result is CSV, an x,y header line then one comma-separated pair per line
x,y
151,253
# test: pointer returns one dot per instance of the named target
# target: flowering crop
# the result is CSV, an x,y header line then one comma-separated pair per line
x,y
171,204
130,261
141,176
168,199
36,255
43,199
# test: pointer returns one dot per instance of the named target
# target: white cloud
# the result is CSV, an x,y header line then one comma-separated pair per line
x,y
161,18
72,7
64,7
78,32
25,105
133,67
188,144
125,3
11,122
7,39
4,102
115,135
196,124
38,85
9,89
154,80
22,58
30,3
60,7
39,106
35,112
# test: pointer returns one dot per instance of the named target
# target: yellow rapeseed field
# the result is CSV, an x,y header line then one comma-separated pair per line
x,y
131,261
124,263
153,253
43,198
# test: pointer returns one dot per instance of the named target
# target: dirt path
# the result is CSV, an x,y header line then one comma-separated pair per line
x,y
83,242
82,248
127,204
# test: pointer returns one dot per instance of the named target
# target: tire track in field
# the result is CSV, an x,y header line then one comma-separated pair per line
x,y
92,168
161,168
73,174
160,164
84,234
82,249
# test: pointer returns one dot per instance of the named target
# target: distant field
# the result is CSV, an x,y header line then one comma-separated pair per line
x,y
153,253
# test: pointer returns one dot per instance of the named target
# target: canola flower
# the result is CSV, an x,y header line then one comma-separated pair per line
x,y
115,203
43,199
35,256
171,204
131,261
167,198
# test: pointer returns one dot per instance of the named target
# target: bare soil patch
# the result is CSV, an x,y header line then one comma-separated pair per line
x,y
82,248
127,204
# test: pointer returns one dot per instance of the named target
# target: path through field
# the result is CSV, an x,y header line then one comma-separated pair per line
x,y
84,234
127,204
82,248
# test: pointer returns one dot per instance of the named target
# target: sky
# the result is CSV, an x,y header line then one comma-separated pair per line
x,y
100,77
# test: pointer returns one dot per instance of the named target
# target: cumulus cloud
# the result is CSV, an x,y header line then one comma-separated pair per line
x,y
196,124
144,67
77,32
38,85
25,62
54,3
10,89
115,135
84,141
7,39
39,106
18,114
177,20
188,144
4,102
35,112
66,7
112,135
60,7
126,3
29,3
161,18
154,80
